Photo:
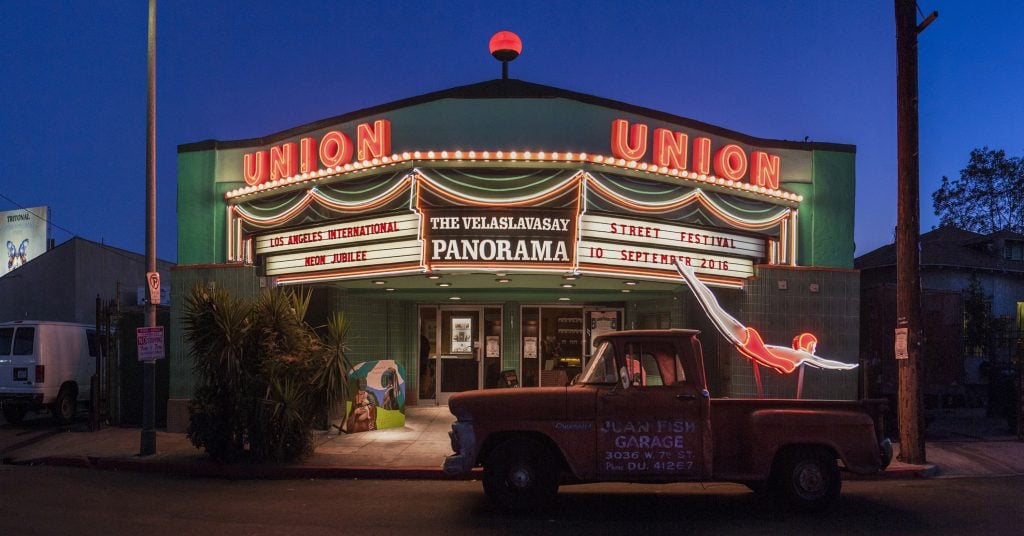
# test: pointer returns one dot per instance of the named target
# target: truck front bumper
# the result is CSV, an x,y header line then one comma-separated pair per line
x,y
885,452
464,446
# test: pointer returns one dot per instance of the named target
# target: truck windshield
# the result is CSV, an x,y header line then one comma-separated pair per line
x,y
601,369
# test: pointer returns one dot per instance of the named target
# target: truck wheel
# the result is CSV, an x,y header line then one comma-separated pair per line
x,y
65,406
14,414
806,480
521,475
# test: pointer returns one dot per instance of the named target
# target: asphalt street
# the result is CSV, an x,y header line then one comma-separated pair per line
x,y
56,500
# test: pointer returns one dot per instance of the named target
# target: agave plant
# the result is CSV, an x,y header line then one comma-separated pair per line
x,y
217,325
283,419
331,379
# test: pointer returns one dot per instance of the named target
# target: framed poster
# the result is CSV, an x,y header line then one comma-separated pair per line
x,y
529,347
493,348
462,334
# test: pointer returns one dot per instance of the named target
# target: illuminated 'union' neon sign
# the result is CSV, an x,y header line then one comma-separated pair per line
x,y
671,150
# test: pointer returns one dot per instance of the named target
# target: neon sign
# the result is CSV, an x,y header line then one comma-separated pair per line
x,y
671,151
335,148
748,340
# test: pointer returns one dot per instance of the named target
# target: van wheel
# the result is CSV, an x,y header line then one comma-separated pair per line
x,y
14,414
65,406
521,476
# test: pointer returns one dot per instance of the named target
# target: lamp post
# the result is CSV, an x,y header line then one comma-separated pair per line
x,y
147,444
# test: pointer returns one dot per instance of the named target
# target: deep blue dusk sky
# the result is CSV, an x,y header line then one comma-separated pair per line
x,y
73,92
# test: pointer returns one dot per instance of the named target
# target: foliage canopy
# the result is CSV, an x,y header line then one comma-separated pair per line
x,y
988,196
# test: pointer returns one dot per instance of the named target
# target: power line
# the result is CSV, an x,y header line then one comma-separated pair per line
x,y
112,249
15,203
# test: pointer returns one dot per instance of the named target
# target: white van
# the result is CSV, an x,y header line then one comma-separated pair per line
x,y
45,364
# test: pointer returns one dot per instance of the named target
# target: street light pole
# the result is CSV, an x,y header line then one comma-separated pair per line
x,y
908,226
147,444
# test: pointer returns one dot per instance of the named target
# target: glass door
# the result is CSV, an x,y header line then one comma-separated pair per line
x,y
460,348
598,321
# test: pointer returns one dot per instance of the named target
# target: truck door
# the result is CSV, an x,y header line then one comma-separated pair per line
x,y
653,424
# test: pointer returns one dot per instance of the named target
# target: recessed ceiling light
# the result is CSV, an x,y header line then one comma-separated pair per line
x,y
568,285
433,276
570,277
445,284
563,299
503,280
379,282
389,290
455,298
626,290
500,274
630,283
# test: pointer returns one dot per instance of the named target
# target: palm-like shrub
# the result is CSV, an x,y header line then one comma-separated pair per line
x,y
332,375
265,375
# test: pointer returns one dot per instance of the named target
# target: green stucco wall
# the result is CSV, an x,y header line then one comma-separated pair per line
x,y
201,209
825,232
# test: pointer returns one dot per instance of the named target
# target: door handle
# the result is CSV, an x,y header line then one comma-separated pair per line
x,y
686,398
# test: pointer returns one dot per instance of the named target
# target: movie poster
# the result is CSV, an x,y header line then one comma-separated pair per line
x,y
23,234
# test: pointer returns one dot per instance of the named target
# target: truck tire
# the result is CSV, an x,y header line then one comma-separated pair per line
x,y
14,413
521,475
806,480
66,405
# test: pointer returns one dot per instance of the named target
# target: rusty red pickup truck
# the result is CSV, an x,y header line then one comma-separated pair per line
x,y
641,412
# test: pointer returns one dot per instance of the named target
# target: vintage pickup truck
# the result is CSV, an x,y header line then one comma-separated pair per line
x,y
641,412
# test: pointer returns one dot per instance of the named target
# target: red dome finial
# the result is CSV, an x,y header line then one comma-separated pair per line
x,y
505,46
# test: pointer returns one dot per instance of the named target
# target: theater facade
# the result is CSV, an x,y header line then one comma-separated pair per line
x,y
482,236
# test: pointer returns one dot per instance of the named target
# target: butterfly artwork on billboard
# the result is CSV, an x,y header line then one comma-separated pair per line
x,y
16,256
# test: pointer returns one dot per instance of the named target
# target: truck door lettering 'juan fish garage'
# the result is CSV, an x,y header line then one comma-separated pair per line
x,y
485,236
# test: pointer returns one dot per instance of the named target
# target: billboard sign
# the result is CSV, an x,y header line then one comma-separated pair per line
x,y
23,235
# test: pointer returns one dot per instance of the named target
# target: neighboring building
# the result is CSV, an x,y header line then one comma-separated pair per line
x,y
956,375
63,283
499,226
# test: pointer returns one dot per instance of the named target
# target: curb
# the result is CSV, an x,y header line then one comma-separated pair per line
x,y
902,472
288,472
247,472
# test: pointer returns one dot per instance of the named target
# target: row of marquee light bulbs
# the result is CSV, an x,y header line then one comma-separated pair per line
x,y
527,156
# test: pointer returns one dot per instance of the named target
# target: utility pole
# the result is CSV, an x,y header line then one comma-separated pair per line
x,y
147,443
908,228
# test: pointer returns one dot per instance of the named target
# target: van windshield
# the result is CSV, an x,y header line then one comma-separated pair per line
x,y
6,335
23,340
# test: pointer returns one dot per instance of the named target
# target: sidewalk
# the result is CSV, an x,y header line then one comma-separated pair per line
x,y
416,451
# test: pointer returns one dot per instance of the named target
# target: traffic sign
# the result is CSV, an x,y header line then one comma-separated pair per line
x,y
153,282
